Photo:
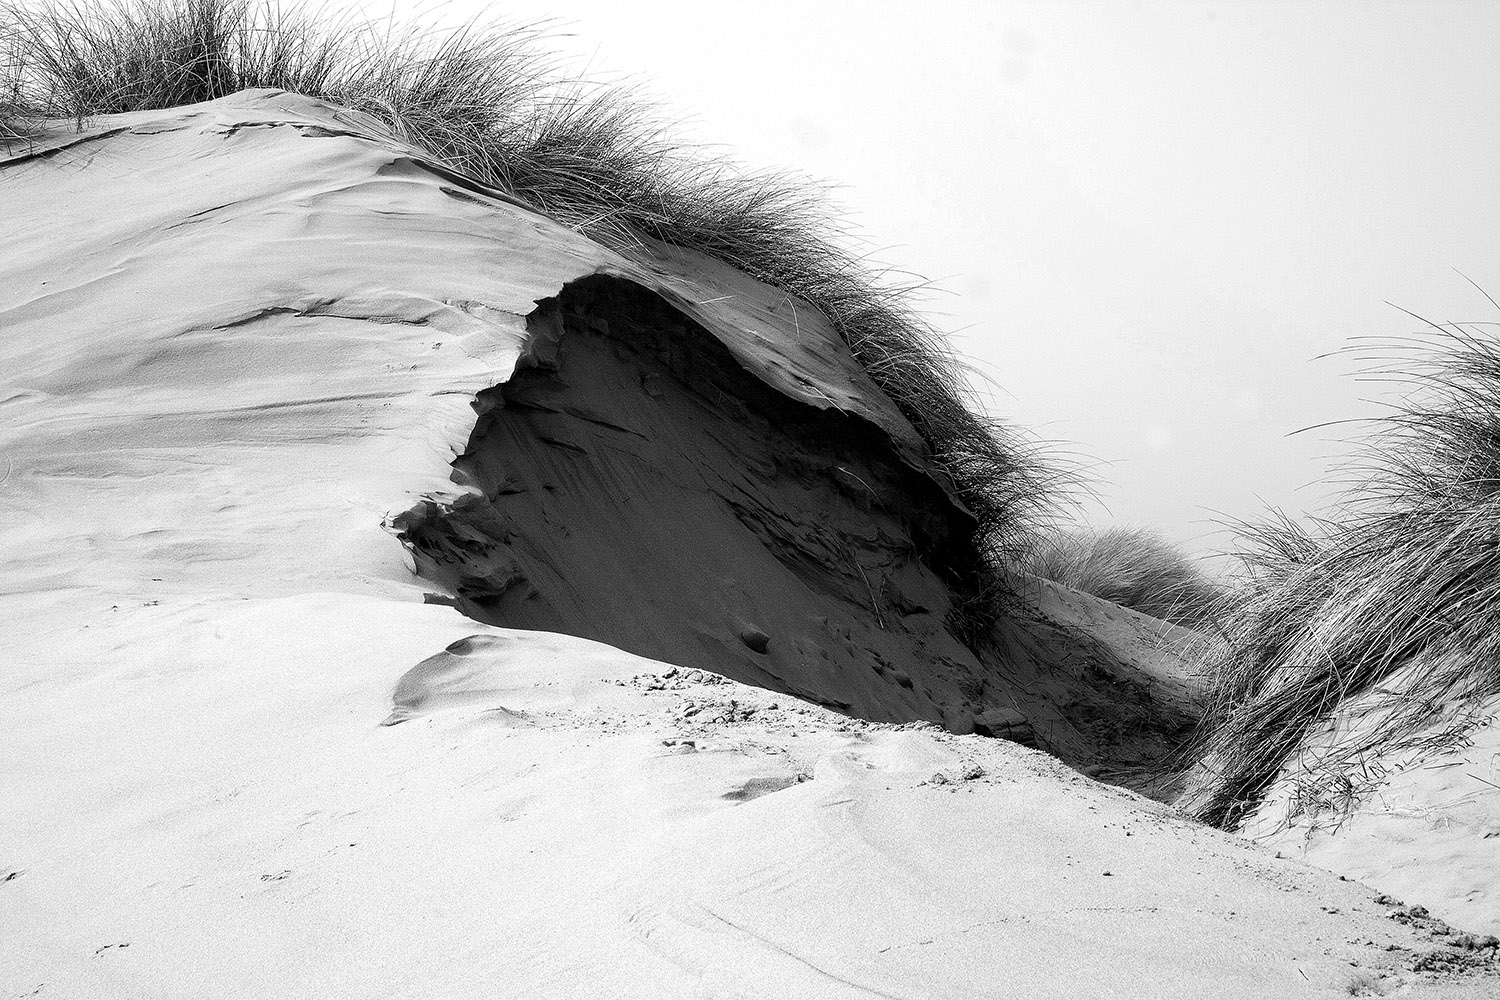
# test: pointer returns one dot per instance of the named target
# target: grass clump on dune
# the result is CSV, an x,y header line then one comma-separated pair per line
x,y
1135,568
1395,599
485,99
14,125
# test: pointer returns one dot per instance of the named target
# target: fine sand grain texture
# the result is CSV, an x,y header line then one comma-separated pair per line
x,y
243,758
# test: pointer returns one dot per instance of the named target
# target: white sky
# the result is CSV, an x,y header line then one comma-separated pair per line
x,y
1145,219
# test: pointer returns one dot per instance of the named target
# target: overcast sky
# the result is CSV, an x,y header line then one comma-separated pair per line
x,y
1143,220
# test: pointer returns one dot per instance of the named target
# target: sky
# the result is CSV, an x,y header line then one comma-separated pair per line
x,y
1145,224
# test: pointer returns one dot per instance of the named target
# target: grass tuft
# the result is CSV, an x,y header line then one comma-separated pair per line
x,y
1135,568
486,99
14,121
1404,579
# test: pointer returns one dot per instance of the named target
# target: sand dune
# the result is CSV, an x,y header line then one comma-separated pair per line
x,y
244,342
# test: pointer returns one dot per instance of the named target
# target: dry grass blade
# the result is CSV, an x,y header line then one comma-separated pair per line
x,y
14,117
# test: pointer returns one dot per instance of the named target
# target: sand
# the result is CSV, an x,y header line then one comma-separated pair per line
x,y
244,758
1420,821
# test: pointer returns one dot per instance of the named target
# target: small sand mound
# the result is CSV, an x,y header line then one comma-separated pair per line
x,y
466,674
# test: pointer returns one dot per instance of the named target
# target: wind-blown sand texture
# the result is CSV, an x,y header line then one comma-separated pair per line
x,y
243,341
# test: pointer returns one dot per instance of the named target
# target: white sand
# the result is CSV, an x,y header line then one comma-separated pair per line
x,y
204,624
1423,825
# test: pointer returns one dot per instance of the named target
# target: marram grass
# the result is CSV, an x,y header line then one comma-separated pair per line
x,y
1135,568
1399,584
487,100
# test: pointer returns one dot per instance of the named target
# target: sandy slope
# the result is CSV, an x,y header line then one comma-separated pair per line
x,y
218,380
203,802
1422,824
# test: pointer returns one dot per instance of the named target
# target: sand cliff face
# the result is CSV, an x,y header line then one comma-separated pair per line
x,y
639,486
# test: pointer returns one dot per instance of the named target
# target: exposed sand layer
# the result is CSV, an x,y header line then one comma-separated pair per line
x,y
1138,696
642,488
243,336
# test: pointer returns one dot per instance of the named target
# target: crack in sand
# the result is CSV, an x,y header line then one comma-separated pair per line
x,y
872,991
50,151
323,309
